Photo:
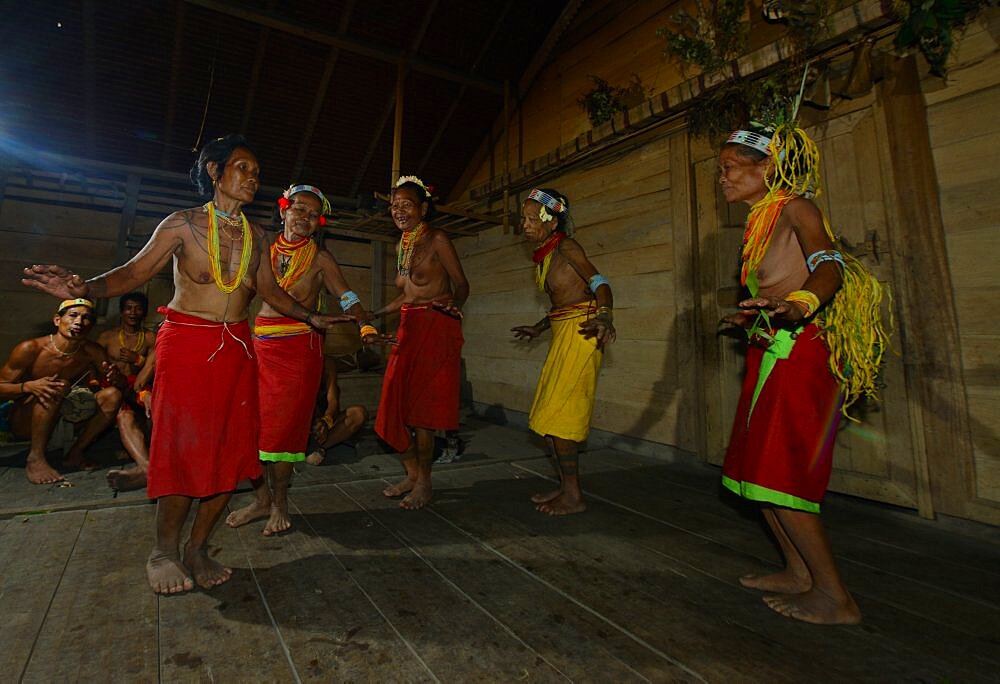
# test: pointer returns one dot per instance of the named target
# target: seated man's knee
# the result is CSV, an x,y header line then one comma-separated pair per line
x,y
357,416
109,399
126,420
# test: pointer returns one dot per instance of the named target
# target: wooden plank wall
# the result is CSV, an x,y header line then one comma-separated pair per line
x,y
624,220
965,139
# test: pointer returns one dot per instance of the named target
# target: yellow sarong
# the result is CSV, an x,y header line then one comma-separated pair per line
x,y
564,398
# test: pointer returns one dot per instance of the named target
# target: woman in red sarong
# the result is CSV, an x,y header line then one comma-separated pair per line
x,y
420,388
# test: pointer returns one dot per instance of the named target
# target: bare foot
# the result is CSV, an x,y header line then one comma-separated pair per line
x,y
816,607
166,574
278,522
419,496
40,472
564,504
400,488
784,582
545,497
206,572
249,513
126,479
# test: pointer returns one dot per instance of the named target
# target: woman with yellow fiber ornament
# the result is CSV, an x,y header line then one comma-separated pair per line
x,y
815,344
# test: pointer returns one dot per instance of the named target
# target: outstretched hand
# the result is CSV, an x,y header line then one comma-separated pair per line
x,y
774,307
525,332
383,339
325,321
600,328
56,281
113,375
447,306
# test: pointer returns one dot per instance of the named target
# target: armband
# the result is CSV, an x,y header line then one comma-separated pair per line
x,y
817,258
328,422
806,300
368,329
596,281
348,299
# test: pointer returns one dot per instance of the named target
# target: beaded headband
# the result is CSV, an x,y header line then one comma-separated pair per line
x,y
68,303
548,200
757,141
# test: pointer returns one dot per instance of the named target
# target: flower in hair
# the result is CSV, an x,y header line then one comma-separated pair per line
x,y
412,179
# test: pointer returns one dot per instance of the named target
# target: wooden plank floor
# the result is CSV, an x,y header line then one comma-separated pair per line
x,y
480,587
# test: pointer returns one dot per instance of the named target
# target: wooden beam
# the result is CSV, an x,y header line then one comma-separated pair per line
x,y
932,362
258,65
523,86
176,58
446,119
127,222
347,232
320,98
377,275
384,53
397,128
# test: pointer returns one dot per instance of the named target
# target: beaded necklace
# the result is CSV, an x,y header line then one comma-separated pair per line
x,y
543,257
757,235
213,253
301,253
404,252
138,343
59,351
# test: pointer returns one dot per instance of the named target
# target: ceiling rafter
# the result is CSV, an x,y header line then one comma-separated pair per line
x,y
347,43
523,85
258,64
390,105
322,87
446,119
176,59
89,77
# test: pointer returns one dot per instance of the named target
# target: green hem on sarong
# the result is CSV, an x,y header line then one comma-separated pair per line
x,y
282,456
748,490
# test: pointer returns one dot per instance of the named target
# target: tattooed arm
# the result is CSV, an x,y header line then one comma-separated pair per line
x,y
165,241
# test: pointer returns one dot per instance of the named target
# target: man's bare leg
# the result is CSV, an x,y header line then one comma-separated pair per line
x,y
134,441
827,602
109,400
795,577
348,421
39,422
206,572
404,486
280,476
420,494
260,507
570,499
543,497
164,570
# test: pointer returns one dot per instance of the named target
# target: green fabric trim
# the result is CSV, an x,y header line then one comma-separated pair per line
x,y
780,348
281,456
748,490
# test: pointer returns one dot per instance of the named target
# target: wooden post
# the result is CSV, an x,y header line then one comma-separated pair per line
x,y
377,274
928,329
506,157
127,222
397,131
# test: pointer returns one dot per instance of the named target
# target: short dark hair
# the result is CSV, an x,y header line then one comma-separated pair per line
x,y
138,297
422,194
746,151
218,151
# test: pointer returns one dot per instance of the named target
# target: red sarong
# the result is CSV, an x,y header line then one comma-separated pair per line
x,y
420,388
785,455
289,370
205,423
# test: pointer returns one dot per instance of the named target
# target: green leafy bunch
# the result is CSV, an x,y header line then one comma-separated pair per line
x,y
930,25
710,38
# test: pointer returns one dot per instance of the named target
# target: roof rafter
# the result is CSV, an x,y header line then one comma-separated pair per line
x,y
321,88
175,78
370,49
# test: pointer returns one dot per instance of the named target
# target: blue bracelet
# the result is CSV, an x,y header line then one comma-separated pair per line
x,y
596,281
348,299
817,258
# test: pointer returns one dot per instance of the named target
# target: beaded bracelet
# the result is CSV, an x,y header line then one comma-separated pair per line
x,y
806,300
367,330
143,394
328,421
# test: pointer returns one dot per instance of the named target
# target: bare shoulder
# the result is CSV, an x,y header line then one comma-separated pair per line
x,y
570,248
27,351
105,336
438,237
802,209
95,351
324,257
185,218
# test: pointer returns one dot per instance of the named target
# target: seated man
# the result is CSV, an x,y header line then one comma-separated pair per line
x,y
333,426
128,346
132,436
49,375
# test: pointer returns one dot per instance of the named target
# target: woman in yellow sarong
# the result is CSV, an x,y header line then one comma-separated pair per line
x,y
581,323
